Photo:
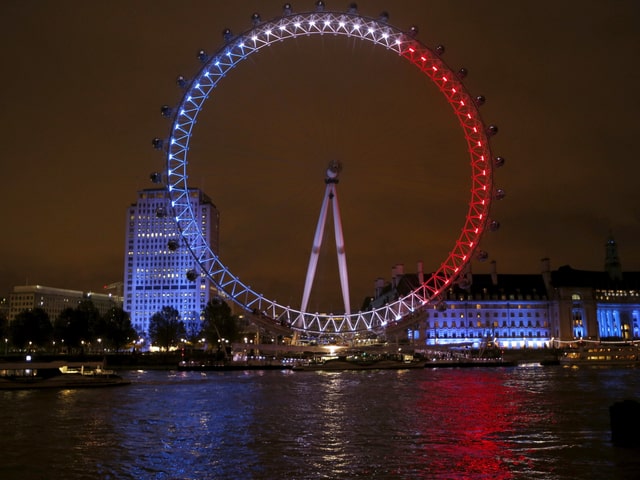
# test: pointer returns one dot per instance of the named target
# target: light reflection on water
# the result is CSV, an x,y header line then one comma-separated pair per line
x,y
509,423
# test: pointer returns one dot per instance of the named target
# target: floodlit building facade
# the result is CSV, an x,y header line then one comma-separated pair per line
x,y
525,311
156,262
54,300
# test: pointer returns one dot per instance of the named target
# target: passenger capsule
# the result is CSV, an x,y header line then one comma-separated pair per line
x,y
500,194
499,162
255,19
192,275
492,130
482,256
440,49
165,111
384,17
161,212
462,73
319,6
480,100
156,177
286,9
172,245
413,31
202,56
441,306
494,226
181,81
353,8
157,143
227,35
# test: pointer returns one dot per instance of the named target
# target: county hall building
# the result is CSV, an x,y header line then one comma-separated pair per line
x,y
517,311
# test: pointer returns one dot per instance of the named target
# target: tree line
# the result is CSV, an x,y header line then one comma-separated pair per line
x,y
81,328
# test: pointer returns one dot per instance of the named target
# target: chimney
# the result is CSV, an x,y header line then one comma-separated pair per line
x,y
468,275
545,266
379,286
494,273
396,273
420,273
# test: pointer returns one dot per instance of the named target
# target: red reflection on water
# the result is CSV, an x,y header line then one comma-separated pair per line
x,y
475,412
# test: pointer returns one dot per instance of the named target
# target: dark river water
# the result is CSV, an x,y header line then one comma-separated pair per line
x,y
481,423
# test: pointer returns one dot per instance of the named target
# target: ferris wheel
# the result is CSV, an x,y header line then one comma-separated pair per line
x,y
392,40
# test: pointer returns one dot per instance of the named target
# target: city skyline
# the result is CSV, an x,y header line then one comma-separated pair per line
x,y
87,82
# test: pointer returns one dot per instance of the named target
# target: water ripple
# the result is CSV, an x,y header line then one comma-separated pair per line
x,y
533,423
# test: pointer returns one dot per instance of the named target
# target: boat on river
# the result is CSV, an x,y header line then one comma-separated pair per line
x,y
602,354
44,375
359,362
209,366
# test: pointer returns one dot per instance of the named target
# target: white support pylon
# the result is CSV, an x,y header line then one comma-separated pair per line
x,y
330,197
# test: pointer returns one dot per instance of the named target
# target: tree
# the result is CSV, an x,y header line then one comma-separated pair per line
x,y
76,326
71,328
166,328
4,332
31,326
4,326
116,329
193,331
91,317
219,326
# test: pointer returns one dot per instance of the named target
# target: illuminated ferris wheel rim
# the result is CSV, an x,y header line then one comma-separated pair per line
x,y
351,24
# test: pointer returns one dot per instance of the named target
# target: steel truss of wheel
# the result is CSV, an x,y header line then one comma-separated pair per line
x,y
349,24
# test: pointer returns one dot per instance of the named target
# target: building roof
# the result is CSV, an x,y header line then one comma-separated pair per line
x,y
566,276
482,287
502,285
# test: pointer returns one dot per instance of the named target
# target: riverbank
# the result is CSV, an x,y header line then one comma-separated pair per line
x,y
170,361
114,361
530,355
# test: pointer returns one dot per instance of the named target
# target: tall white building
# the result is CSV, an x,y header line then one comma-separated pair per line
x,y
156,262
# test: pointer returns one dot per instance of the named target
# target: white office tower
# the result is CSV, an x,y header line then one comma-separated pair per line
x,y
157,262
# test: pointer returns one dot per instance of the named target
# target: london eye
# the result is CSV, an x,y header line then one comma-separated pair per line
x,y
391,40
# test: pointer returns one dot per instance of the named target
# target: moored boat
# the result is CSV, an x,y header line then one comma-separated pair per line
x,y
360,362
42,375
206,366
602,354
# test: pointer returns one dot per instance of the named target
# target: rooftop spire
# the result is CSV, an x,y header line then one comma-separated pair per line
x,y
612,261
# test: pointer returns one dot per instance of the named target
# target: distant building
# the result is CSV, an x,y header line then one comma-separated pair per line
x,y
156,262
54,300
597,305
4,307
525,311
511,310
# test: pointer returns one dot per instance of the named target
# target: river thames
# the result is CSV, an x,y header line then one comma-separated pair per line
x,y
525,422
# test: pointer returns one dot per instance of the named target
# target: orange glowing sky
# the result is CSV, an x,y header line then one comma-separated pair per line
x,y
84,81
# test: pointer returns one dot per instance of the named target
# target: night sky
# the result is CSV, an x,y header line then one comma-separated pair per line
x,y
83,83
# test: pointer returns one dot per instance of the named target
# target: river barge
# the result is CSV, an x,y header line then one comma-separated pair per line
x,y
46,375
231,366
602,354
360,361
